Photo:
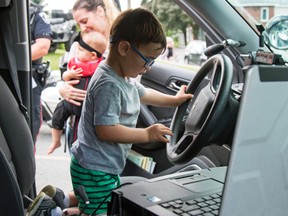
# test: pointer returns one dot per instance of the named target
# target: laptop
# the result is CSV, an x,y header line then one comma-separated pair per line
x,y
256,179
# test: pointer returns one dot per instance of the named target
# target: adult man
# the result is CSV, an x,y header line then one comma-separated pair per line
x,y
41,37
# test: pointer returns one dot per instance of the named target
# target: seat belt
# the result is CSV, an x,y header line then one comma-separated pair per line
x,y
7,37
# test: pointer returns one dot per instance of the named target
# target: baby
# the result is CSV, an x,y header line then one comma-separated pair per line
x,y
91,47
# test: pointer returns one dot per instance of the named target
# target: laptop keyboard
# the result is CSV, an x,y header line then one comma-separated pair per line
x,y
206,206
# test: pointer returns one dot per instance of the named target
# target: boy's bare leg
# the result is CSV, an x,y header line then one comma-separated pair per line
x,y
73,199
56,140
72,209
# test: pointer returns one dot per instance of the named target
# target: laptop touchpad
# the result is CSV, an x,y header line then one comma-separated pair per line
x,y
205,185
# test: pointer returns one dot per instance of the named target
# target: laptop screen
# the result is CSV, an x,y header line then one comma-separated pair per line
x,y
257,177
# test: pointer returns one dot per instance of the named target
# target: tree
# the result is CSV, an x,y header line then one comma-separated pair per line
x,y
171,16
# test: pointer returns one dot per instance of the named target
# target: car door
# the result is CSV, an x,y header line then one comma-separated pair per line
x,y
16,144
166,78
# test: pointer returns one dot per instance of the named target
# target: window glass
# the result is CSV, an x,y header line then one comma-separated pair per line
x,y
260,12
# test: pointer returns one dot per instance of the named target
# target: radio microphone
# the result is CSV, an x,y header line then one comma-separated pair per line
x,y
216,48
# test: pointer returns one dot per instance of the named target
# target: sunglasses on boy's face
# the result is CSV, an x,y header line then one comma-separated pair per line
x,y
148,62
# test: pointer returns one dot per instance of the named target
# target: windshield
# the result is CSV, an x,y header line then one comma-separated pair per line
x,y
265,12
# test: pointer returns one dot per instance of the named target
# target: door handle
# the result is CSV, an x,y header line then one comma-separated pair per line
x,y
174,85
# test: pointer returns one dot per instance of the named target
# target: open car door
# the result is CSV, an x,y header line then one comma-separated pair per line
x,y
17,160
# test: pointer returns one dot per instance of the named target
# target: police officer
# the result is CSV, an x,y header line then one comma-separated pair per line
x,y
41,36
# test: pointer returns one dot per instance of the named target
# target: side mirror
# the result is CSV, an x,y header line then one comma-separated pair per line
x,y
276,32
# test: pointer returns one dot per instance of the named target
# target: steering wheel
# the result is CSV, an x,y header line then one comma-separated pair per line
x,y
207,110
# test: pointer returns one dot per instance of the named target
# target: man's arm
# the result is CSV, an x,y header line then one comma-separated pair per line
x,y
40,48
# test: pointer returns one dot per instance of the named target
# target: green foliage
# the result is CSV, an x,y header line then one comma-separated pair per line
x,y
172,17
54,58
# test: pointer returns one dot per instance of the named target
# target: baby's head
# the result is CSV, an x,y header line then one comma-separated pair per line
x,y
91,46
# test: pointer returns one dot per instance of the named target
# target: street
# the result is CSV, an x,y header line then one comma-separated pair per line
x,y
51,169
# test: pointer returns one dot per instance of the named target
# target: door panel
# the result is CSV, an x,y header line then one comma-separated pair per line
x,y
162,77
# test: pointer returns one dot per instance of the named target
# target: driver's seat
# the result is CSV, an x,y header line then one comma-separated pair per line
x,y
17,161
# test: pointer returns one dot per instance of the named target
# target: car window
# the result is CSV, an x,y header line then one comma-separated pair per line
x,y
191,35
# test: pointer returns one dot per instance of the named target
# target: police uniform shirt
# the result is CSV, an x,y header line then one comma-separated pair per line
x,y
40,28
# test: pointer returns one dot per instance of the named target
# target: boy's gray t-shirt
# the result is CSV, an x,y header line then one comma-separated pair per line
x,y
110,100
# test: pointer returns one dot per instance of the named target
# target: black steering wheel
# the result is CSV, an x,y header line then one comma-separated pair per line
x,y
207,110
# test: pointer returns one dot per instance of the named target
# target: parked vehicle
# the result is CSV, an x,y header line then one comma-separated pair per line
x,y
203,127
50,96
64,30
194,52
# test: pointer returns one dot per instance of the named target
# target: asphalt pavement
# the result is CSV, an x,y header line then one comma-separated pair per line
x,y
51,169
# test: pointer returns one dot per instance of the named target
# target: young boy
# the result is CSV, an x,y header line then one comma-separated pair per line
x,y
106,129
90,48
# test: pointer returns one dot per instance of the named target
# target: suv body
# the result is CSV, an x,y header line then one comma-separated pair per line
x,y
18,177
